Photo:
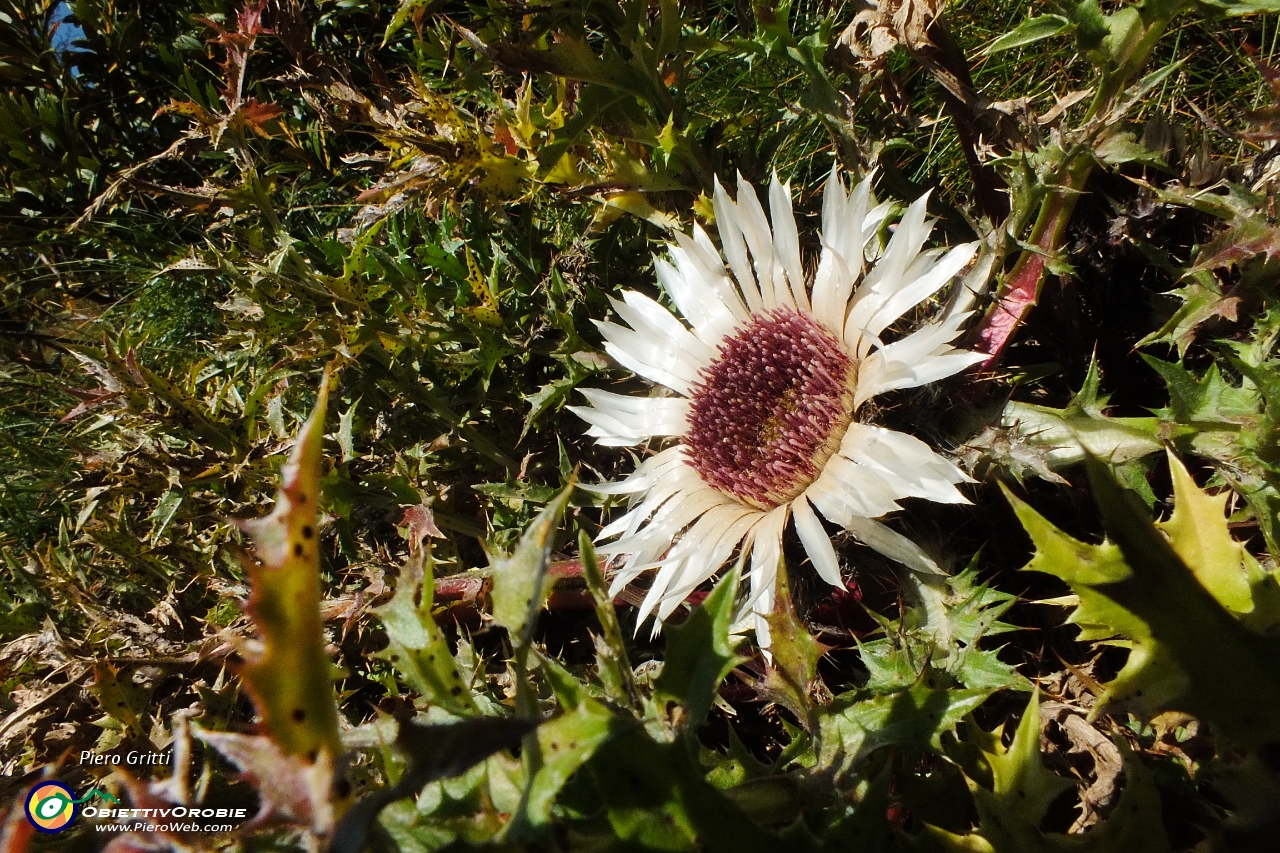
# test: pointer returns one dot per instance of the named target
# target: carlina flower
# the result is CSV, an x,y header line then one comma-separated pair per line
x,y
768,379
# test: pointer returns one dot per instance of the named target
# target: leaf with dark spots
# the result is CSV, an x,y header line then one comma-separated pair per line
x,y
563,745
288,673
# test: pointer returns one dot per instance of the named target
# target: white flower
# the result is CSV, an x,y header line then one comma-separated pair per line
x,y
768,380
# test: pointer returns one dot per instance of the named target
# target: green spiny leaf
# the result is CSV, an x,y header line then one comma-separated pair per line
x,y
1009,814
916,718
434,751
1188,652
1198,532
611,650
417,648
1018,775
792,679
940,642
656,798
518,580
1209,399
564,744
699,653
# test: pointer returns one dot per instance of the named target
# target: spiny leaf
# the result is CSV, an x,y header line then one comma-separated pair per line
x,y
656,799
518,580
1240,8
564,744
916,718
1066,437
792,679
187,411
948,651
1182,616
1017,773
417,648
1202,300
1188,653
288,673
1198,532
120,698
612,664
866,829
1209,399
487,311
291,788
699,654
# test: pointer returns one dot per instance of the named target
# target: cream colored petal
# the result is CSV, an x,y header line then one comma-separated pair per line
x,y
657,589
735,250
672,503
709,272
696,547
786,240
622,421
832,285
724,539
649,359
834,207
886,277
755,227
924,356
860,489
920,285
847,226
764,637
644,314
817,544
642,478
766,556
905,462
893,545
688,301
621,405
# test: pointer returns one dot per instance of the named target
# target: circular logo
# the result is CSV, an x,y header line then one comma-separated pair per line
x,y
51,806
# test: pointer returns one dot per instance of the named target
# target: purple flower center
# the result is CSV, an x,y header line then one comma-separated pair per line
x,y
768,413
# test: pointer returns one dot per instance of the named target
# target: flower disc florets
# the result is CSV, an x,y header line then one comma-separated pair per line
x,y
768,413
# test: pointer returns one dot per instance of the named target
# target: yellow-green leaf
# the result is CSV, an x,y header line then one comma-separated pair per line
x,y
1197,530
288,672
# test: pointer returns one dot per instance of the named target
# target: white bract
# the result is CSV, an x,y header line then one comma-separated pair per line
x,y
769,375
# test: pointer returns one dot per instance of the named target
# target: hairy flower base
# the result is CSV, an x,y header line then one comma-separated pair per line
x,y
768,413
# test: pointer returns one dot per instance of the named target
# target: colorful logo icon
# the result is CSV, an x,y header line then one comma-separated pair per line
x,y
51,806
